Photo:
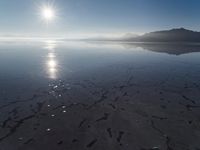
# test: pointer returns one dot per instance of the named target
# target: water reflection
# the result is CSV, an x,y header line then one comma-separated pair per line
x,y
51,62
51,55
168,48
159,47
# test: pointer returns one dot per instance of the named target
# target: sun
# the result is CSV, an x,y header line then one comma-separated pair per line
x,y
48,13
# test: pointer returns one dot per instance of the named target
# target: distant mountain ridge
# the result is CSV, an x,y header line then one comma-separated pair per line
x,y
173,35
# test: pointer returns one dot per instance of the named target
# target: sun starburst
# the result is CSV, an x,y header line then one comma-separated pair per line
x,y
48,12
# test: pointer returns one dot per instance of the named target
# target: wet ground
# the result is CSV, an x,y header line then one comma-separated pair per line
x,y
98,96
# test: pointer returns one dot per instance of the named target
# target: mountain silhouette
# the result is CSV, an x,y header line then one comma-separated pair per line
x,y
174,35
179,35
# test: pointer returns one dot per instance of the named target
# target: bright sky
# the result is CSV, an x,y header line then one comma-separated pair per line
x,y
80,17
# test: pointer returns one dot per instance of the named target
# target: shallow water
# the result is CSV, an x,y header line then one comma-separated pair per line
x,y
98,95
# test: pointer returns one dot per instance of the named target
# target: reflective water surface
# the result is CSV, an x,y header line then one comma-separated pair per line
x,y
94,95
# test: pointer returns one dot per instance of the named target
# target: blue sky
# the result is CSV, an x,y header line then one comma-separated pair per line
x,y
22,17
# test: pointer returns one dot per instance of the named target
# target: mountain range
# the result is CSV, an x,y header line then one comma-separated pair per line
x,y
174,35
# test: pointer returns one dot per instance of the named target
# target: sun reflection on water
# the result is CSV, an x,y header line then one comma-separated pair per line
x,y
51,55
51,62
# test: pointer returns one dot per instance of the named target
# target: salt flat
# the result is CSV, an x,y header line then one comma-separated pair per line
x,y
75,95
